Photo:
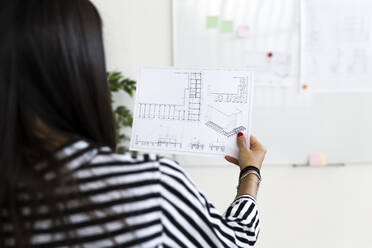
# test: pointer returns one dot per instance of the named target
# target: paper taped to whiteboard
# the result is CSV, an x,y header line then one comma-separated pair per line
x,y
191,111
336,53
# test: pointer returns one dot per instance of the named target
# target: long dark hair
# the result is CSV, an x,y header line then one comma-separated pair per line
x,y
52,70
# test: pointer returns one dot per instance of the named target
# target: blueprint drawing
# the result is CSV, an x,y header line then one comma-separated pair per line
x,y
191,111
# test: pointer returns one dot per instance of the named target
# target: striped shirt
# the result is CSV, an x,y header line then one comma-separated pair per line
x,y
135,201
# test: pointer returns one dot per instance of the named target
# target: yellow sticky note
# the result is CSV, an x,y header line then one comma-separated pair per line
x,y
324,159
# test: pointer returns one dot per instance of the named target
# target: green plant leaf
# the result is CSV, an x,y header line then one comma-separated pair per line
x,y
123,116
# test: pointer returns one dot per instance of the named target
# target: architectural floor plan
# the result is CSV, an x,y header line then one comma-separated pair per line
x,y
196,111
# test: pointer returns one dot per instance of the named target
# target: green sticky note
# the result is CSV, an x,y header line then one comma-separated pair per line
x,y
227,27
212,22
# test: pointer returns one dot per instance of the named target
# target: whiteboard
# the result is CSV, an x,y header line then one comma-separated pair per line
x,y
291,123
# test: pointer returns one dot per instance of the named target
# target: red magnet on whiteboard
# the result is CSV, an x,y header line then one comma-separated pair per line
x,y
270,54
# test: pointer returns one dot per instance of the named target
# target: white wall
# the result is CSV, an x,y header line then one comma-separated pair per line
x,y
300,207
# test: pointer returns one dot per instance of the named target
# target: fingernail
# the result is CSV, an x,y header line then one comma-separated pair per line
x,y
240,134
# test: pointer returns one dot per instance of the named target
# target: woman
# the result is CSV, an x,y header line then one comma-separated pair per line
x,y
61,183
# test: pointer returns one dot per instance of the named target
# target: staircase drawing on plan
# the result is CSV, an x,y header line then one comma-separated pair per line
x,y
222,131
190,110
224,124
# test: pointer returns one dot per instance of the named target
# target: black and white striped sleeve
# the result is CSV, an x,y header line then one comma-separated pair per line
x,y
189,220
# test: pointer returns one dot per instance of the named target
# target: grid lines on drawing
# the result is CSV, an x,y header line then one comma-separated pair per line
x,y
189,111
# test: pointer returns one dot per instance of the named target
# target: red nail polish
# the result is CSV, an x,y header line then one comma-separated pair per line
x,y
240,134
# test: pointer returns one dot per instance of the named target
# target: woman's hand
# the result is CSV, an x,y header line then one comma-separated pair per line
x,y
253,156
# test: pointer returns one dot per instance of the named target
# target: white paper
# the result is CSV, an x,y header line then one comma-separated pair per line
x,y
336,45
195,111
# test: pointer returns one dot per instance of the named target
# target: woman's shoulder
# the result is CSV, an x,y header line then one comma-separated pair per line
x,y
87,153
106,157
148,162
82,156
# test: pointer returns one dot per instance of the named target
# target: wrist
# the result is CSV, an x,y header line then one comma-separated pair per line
x,y
249,186
242,166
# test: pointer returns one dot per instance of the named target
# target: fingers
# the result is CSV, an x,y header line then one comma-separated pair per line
x,y
241,140
255,144
232,160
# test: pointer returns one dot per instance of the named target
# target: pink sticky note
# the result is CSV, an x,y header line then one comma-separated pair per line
x,y
317,159
243,31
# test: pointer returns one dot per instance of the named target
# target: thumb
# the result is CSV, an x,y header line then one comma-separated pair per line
x,y
241,140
